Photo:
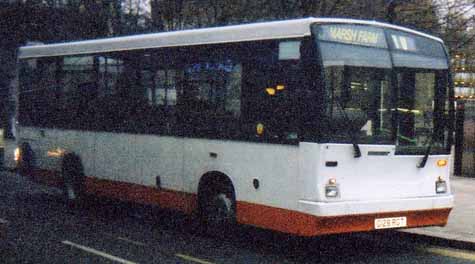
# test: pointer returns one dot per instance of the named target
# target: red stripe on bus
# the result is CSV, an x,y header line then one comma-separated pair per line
x,y
258,215
45,177
181,201
184,202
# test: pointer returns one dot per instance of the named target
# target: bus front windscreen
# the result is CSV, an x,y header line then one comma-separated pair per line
x,y
381,89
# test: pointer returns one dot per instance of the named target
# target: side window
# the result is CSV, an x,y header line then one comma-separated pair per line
x,y
211,100
38,88
110,68
222,91
107,92
26,98
161,86
273,76
79,88
109,110
161,79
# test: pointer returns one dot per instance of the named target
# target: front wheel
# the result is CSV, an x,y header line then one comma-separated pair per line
x,y
218,214
25,161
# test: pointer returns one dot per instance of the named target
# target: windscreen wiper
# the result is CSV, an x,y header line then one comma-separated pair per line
x,y
423,162
353,138
356,148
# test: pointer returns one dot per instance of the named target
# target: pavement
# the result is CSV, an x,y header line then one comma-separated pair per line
x,y
460,228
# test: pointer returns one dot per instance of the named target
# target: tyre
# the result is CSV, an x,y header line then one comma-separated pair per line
x,y
25,162
73,178
218,212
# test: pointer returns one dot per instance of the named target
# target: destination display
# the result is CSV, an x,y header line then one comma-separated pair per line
x,y
353,34
405,43
369,36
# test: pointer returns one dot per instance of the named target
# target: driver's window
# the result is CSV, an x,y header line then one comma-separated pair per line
x,y
359,101
415,107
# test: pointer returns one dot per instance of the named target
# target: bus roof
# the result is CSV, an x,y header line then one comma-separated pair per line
x,y
227,34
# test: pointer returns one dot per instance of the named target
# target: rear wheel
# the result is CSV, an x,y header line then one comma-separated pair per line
x,y
73,178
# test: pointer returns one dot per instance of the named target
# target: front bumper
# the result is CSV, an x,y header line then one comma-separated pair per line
x,y
376,206
344,217
315,218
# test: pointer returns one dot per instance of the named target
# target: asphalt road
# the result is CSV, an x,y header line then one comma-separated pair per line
x,y
38,227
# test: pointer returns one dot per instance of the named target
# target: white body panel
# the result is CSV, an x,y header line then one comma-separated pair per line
x,y
291,176
378,181
159,156
180,162
374,177
275,166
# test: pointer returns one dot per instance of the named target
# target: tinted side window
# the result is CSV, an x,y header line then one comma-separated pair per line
x,y
210,105
78,88
161,76
219,91
270,95
38,92
161,86
110,69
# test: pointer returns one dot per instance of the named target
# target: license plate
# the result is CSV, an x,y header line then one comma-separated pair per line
x,y
391,222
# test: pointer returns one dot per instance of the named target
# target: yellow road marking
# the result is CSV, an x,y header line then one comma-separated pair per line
x,y
189,258
98,253
454,253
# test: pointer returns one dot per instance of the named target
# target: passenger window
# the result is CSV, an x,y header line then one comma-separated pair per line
x,y
215,86
38,92
161,86
211,101
273,75
110,68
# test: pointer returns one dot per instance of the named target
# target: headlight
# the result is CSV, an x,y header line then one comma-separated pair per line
x,y
331,189
16,154
440,186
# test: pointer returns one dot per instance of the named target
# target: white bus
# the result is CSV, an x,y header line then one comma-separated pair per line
x,y
310,126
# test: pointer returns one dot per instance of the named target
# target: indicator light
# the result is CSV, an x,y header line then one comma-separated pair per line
x,y
442,163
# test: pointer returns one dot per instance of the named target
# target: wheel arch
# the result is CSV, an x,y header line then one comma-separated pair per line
x,y
212,182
